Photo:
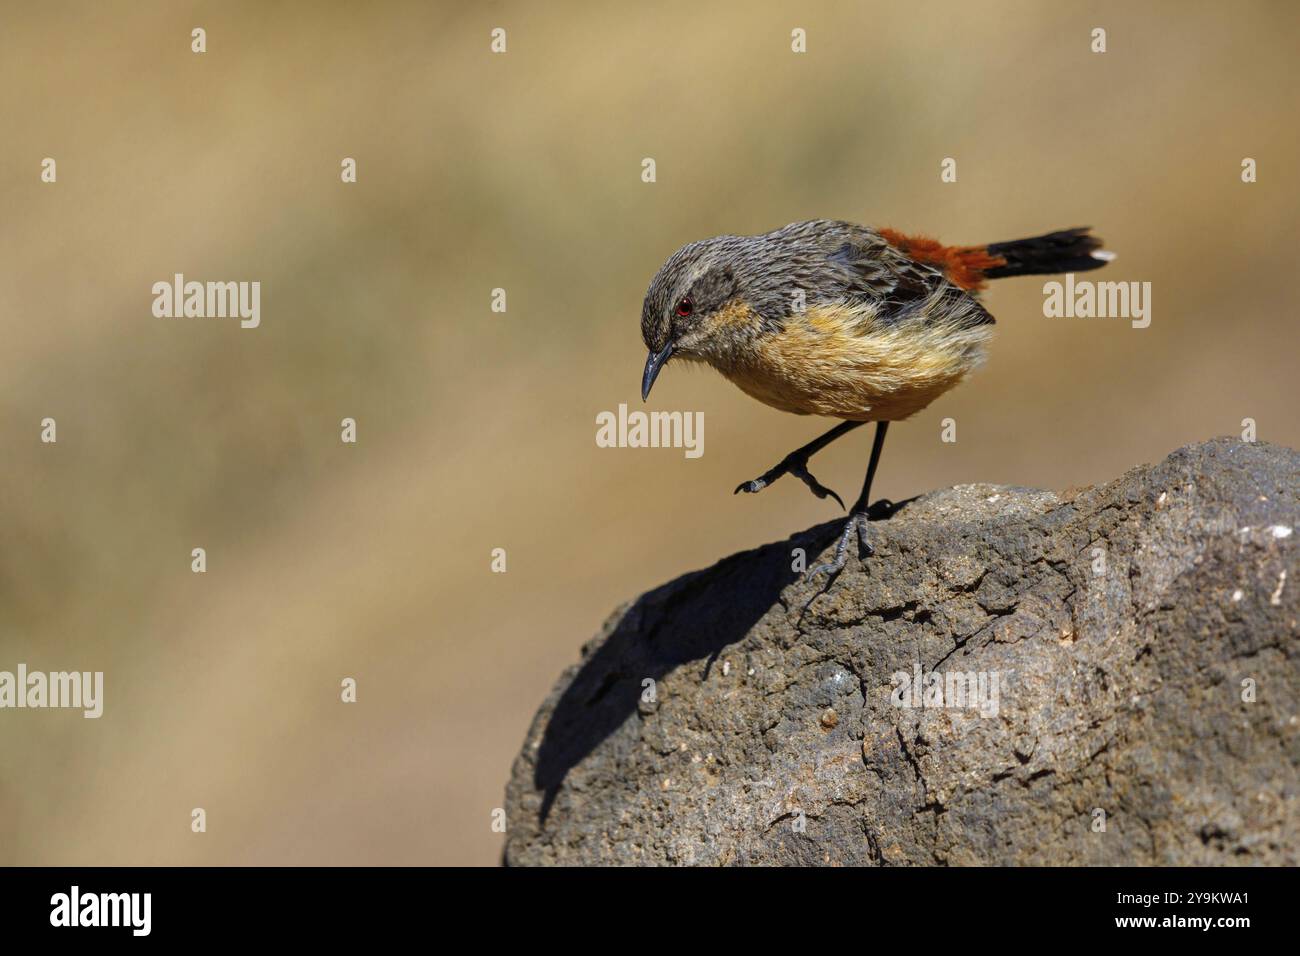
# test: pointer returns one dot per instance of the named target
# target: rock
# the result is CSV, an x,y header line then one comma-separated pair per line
x,y
1117,686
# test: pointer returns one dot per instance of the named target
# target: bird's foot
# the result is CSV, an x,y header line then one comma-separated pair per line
x,y
857,524
792,464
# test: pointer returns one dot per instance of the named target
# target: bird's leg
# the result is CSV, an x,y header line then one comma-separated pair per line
x,y
796,463
862,513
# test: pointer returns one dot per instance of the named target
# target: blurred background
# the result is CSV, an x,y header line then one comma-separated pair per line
x,y
476,430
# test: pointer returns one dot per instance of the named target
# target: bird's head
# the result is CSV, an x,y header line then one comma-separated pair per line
x,y
696,308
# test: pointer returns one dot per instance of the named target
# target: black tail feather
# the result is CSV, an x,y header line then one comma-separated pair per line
x,y
1070,250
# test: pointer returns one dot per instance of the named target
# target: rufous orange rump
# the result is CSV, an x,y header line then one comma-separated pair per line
x,y
963,265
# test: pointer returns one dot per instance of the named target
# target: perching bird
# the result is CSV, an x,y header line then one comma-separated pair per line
x,y
830,318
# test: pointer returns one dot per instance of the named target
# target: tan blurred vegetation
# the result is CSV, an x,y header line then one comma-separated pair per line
x,y
477,430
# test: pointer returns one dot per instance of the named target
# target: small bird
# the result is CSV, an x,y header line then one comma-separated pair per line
x,y
831,318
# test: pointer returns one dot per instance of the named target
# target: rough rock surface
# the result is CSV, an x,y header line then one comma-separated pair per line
x,y
1143,635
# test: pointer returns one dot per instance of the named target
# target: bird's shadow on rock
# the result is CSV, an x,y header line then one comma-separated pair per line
x,y
689,619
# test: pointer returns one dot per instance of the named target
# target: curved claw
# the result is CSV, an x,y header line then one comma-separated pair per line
x,y
790,466
817,488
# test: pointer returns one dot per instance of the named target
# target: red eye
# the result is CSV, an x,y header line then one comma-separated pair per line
x,y
686,306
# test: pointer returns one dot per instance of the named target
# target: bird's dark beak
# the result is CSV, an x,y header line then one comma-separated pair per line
x,y
653,363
